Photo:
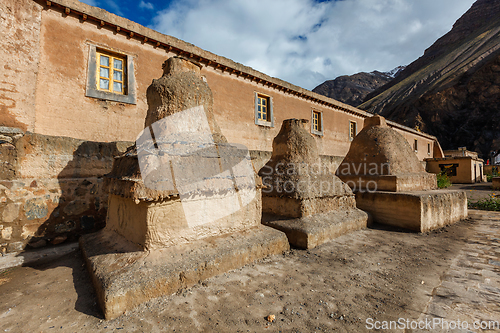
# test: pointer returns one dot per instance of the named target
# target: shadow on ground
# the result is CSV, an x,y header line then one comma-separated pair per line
x,y
86,301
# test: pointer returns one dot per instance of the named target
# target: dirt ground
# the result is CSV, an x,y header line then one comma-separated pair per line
x,y
476,191
380,273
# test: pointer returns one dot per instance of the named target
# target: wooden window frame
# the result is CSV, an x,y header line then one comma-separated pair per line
x,y
269,121
128,94
112,58
351,136
317,128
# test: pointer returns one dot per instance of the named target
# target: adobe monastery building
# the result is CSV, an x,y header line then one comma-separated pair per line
x,y
73,85
462,166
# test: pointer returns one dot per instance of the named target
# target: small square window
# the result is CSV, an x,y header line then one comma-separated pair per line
x,y
415,145
110,73
262,107
428,149
263,110
317,122
110,76
352,130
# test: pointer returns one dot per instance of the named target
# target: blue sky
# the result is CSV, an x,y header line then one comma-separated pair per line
x,y
304,42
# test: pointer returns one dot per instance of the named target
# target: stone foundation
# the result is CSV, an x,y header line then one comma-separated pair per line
x,y
154,225
296,208
311,231
124,276
420,211
393,183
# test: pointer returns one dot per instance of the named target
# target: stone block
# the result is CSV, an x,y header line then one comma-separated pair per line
x,y
17,194
496,183
420,211
10,212
163,223
7,233
125,277
394,183
311,231
76,207
65,227
35,208
15,247
58,240
29,230
297,208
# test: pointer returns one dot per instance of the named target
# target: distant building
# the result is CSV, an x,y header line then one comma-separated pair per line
x,y
462,166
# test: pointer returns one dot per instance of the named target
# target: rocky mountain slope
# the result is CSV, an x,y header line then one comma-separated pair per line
x,y
353,89
453,90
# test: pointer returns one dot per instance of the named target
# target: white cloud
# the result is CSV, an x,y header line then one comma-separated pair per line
x,y
91,2
306,42
112,6
146,5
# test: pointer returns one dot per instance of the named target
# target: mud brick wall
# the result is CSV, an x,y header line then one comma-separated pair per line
x,y
51,188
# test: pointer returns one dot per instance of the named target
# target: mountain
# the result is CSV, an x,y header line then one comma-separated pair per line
x,y
353,89
453,90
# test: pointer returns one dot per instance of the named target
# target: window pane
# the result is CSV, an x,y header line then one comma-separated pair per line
x,y
118,64
117,75
117,86
105,72
264,116
104,84
263,101
258,108
104,60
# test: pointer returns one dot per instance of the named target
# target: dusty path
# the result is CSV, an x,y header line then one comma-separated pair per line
x,y
475,192
378,273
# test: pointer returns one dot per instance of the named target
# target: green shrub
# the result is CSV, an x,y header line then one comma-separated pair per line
x,y
486,204
443,180
495,174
